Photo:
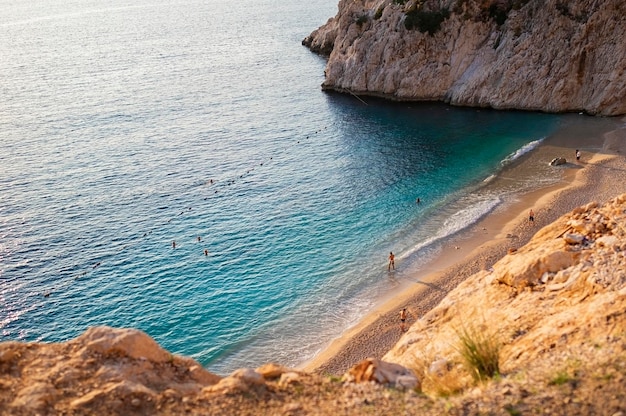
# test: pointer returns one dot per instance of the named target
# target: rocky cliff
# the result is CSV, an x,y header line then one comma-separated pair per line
x,y
546,325
553,313
547,55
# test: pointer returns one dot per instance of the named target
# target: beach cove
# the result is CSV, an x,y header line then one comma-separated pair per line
x,y
598,176
198,210
212,195
561,320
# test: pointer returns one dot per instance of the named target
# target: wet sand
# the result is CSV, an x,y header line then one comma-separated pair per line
x,y
599,176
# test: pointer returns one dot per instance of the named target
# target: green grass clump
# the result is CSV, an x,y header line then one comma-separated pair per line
x,y
512,410
562,377
480,351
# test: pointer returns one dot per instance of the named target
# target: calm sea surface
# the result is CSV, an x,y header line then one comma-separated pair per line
x,y
126,126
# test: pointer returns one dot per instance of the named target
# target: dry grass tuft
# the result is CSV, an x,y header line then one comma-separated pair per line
x,y
480,351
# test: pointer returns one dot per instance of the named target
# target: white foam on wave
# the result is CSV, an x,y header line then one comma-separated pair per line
x,y
489,178
472,211
521,151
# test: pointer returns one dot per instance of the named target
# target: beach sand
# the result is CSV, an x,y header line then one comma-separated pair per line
x,y
599,176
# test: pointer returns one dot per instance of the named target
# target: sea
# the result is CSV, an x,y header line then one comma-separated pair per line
x,y
175,167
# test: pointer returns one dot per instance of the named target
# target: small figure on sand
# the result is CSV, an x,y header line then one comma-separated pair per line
x,y
577,154
531,216
392,264
403,315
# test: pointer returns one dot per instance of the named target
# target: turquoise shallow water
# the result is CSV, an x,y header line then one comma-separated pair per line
x,y
127,126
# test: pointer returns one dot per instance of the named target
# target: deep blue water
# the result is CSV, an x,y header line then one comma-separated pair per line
x,y
128,126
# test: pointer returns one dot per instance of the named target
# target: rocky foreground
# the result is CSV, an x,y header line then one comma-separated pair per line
x,y
555,310
547,55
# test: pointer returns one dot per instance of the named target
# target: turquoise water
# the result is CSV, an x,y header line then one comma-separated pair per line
x,y
128,126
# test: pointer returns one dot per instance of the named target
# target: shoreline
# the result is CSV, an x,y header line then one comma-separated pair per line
x,y
491,237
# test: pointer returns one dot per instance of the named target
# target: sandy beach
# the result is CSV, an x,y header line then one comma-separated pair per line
x,y
599,175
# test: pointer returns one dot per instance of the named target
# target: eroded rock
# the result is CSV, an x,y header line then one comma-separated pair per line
x,y
382,372
126,342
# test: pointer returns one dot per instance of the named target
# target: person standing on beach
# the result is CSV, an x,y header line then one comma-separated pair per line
x,y
577,154
392,264
531,216
403,315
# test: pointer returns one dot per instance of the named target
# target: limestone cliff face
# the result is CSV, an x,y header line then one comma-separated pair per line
x,y
555,303
548,55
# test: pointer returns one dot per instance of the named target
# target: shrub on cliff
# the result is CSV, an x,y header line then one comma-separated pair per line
x,y
425,21
499,10
379,12
362,19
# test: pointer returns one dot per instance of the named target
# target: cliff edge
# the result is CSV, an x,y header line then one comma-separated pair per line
x,y
552,55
